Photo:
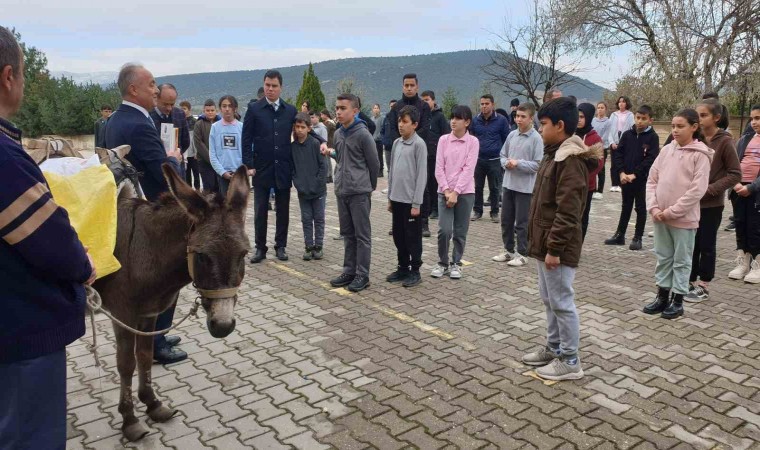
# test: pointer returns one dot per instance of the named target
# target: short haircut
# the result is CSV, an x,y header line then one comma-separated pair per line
x,y
487,96
326,112
551,92
430,94
209,102
563,109
185,104
627,101
573,98
10,52
393,100
645,109
163,86
312,112
462,112
303,118
231,99
376,104
108,107
351,98
411,112
755,108
412,76
502,111
273,74
127,76
528,108
260,92
711,94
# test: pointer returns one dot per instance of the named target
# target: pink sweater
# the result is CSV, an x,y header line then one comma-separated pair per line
x,y
677,182
455,163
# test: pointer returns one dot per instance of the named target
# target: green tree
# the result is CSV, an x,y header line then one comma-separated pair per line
x,y
449,101
311,91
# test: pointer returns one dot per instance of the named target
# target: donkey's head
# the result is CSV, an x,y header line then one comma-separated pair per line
x,y
217,245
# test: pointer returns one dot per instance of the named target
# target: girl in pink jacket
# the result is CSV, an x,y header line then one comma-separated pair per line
x,y
677,182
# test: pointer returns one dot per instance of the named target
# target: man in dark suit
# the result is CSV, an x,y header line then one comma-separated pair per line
x,y
267,129
166,112
131,125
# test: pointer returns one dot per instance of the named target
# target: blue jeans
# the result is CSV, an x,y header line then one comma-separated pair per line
x,y
313,220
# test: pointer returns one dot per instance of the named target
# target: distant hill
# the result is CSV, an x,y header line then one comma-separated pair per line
x,y
380,78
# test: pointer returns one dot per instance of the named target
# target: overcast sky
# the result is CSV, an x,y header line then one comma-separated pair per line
x,y
175,37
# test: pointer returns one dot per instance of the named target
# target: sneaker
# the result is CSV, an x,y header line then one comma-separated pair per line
x,y
615,189
540,357
307,255
413,279
476,216
359,284
754,274
742,268
597,196
343,279
517,261
651,233
635,243
696,294
561,369
495,218
397,276
317,253
439,271
731,226
425,231
384,191
455,272
504,257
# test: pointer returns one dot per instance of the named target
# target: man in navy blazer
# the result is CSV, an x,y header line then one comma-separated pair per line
x,y
131,125
166,112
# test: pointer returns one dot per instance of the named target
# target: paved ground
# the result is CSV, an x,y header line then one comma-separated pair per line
x,y
437,366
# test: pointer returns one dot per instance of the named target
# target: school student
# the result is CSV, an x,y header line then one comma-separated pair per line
x,y
407,178
590,139
677,181
620,121
225,143
601,124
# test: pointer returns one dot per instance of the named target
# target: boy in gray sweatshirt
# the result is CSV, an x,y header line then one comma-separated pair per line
x,y
407,178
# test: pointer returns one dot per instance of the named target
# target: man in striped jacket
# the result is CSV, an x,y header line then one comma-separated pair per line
x,y
42,268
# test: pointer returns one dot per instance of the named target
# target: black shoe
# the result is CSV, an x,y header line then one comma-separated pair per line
x,y
616,239
675,309
660,302
495,218
360,282
476,216
380,175
398,275
487,203
434,214
316,252
635,243
425,231
731,226
259,256
171,341
390,233
413,279
307,255
329,180
168,355
281,255
343,279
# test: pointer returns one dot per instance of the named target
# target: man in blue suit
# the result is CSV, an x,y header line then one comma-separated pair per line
x,y
131,125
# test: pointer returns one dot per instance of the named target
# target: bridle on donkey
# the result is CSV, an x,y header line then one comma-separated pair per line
x,y
211,294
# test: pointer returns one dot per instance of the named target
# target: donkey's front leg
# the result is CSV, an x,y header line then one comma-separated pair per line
x,y
131,428
156,411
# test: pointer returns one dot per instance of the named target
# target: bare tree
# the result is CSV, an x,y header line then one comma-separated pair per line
x,y
709,43
531,59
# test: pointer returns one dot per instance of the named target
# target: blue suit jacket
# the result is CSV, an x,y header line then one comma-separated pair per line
x,y
129,126
266,143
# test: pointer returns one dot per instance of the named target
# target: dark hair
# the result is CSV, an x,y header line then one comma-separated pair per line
x,y
430,94
410,76
628,104
711,94
755,107
273,74
186,104
163,86
326,112
304,118
562,109
10,52
502,111
716,108
645,109
106,106
462,112
260,93
573,98
312,112
376,104
411,112
514,102
488,96
527,107
229,98
393,100
209,102
308,105
351,98
692,118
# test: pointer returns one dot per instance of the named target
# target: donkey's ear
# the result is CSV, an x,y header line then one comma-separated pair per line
x,y
238,192
192,202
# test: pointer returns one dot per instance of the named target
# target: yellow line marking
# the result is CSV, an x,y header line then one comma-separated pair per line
x,y
533,374
466,263
383,309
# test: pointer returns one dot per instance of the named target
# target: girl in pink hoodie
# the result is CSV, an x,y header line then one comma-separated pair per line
x,y
677,182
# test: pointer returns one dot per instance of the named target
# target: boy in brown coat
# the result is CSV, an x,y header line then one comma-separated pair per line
x,y
555,236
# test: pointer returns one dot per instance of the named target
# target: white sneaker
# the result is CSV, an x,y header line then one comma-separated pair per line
x,y
455,272
384,191
517,260
615,189
439,271
597,196
504,257
754,274
742,266
651,233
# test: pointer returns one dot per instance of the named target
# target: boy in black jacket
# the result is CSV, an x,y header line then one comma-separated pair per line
x,y
310,179
438,127
635,154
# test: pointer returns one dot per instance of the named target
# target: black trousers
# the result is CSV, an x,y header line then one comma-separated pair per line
x,y
634,193
261,216
407,235
602,175
487,169
747,218
380,153
192,175
705,244
614,171
208,175
430,199
586,212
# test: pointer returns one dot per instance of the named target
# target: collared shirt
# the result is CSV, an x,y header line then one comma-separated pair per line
x,y
10,131
137,107
162,115
275,104
527,149
455,163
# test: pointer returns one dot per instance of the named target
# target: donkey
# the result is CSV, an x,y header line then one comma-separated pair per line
x,y
163,246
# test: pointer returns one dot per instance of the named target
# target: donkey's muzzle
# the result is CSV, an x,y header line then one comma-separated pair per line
x,y
220,328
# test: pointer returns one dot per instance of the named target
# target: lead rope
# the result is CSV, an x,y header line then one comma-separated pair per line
x,y
95,303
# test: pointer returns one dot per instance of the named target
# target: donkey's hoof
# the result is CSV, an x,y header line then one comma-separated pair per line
x,y
161,413
134,432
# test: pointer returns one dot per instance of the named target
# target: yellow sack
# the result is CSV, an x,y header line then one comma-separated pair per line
x,y
90,199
